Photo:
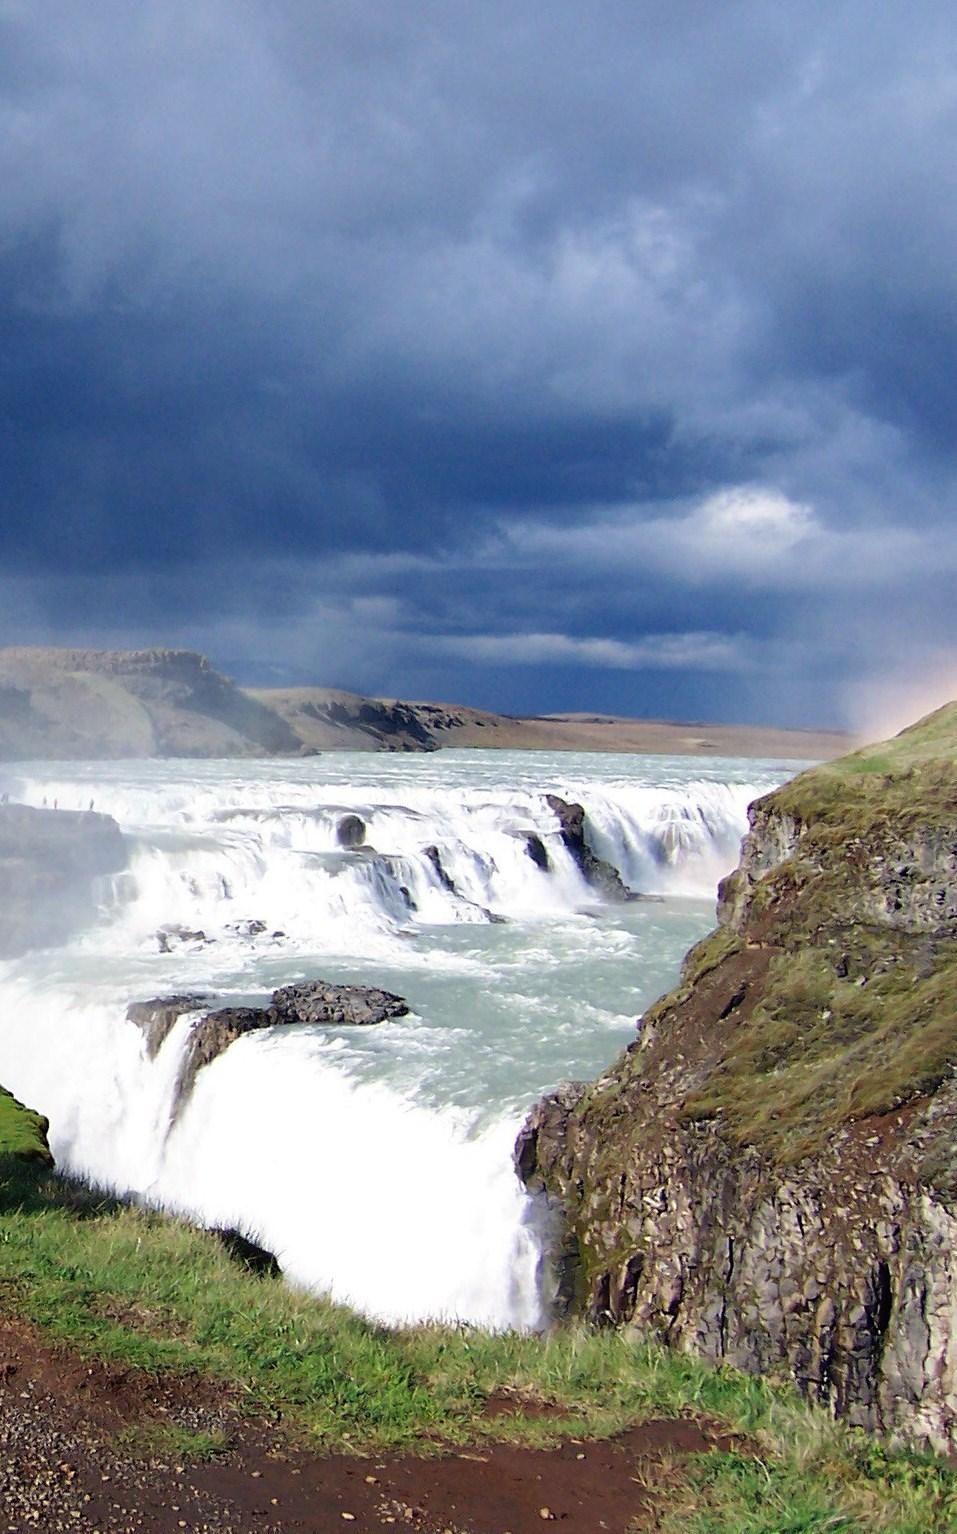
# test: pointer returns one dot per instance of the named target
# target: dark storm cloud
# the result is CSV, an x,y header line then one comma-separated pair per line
x,y
509,352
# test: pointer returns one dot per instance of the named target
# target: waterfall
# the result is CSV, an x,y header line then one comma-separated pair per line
x,y
375,1162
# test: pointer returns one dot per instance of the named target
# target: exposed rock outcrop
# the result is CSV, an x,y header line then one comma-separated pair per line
x,y
49,862
535,849
601,875
441,872
212,1035
328,719
318,1001
768,1175
313,1002
100,704
248,1254
157,1018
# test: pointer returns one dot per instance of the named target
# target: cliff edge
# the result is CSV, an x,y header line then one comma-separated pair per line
x,y
768,1175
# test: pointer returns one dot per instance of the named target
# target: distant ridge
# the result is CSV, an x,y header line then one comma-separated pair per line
x,y
129,703
107,704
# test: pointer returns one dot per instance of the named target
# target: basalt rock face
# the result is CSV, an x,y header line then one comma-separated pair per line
x,y
50,861
768,1175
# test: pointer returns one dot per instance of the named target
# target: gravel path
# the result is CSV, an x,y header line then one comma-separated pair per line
x,y
64,1466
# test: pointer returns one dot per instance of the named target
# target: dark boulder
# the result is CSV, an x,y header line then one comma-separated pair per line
x,y
351,831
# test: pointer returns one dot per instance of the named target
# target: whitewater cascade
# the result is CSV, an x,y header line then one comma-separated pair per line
x,y
376,1163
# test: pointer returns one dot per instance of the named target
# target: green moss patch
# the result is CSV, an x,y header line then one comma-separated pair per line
x,y
23,1133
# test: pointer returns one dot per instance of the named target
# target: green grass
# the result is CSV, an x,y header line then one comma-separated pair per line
x,y
928,739
168,1440
858,1013
133,1287
821,1049
838,1483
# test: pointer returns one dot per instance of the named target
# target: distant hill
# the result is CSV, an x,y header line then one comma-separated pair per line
x,y
103,704
129,703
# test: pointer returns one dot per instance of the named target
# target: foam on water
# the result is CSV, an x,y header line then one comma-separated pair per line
x,y
376,1162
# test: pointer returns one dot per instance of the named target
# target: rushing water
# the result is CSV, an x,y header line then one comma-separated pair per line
x,y
375,1162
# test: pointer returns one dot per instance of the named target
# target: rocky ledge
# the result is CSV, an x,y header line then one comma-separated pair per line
x,y
313,1002
768,1174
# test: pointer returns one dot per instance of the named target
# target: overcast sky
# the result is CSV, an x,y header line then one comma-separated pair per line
x,y
529,354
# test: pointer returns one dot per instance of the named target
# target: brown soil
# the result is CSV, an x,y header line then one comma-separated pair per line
x,y
66,1462
591,732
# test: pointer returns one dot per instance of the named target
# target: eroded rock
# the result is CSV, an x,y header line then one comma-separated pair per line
x,y
211,1036
351,831
174,935
249,1254
537,851
444,878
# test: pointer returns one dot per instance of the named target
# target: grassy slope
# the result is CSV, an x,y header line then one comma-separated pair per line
x,y
856,1017
137,1288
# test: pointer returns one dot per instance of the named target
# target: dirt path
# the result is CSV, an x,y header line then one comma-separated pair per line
x,y
66,1464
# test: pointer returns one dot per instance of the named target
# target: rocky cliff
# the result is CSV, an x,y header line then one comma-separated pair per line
x,y
768,1175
